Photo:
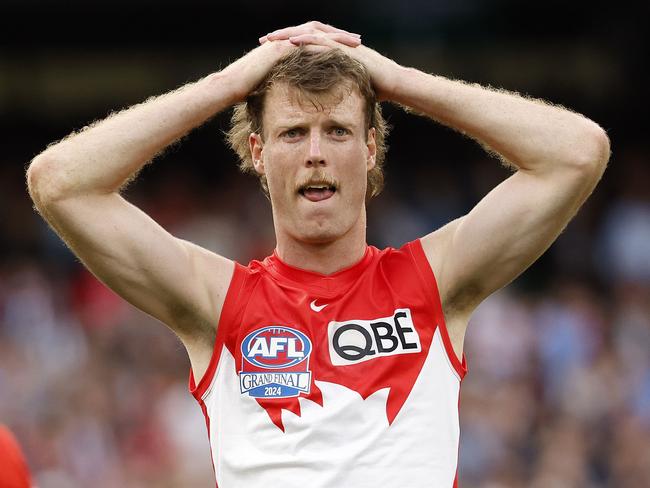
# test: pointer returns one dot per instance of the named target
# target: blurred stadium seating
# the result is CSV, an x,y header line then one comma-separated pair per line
x,y
558,392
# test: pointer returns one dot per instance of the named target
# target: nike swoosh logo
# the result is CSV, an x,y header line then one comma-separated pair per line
x,y
317,308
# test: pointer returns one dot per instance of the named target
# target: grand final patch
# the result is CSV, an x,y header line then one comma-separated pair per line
x,y
275,363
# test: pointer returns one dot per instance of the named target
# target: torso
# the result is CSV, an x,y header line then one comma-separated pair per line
x,y
259,396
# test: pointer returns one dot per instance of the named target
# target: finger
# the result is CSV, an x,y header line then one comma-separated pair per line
x,y
314,39
331,40
287,32
330,28
310,39
328,39
296,31
309,27
346,39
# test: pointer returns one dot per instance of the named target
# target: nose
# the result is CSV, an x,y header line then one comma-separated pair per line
x,y
315,157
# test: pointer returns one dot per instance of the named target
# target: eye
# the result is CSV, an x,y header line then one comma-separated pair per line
x,y
291,133
340,131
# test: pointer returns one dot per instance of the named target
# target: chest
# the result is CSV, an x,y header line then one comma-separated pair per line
x,y
375,335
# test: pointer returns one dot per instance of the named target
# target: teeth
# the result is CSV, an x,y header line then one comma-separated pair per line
x,y
317,187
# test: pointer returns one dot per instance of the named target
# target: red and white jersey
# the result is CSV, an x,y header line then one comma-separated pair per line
x,y
342,380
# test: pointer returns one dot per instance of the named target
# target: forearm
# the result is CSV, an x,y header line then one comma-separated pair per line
x,y
101,158
530,134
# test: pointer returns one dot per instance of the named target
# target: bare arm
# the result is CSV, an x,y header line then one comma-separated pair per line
x,y
559,156
530,134
102,157
75,185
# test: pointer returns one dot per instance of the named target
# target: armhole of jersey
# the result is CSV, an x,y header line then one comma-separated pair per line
x,y
427,275
228,311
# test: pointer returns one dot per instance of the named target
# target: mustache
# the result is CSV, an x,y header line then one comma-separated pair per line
x,y
318,177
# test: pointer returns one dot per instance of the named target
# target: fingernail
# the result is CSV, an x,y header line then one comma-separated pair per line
x,y
262,39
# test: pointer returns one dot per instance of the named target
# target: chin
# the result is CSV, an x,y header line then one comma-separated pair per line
x,y
315,232
319,236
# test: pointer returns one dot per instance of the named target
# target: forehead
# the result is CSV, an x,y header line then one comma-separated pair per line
x,y
286,104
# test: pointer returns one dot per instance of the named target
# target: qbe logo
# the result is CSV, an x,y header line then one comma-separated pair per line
x,y
355,341
275,363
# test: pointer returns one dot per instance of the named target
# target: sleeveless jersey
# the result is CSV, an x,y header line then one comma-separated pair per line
x,y
343,380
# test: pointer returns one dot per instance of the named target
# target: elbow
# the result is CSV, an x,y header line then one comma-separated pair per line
x,y
594,150
40,180
34,177
594,153
602,147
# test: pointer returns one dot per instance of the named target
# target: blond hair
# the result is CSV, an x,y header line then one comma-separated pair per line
x,y
313,73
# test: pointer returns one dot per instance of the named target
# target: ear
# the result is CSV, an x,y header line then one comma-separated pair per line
x,y
371,145
256,145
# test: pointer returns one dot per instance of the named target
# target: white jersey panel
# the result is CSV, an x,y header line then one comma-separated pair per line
x,y
347,442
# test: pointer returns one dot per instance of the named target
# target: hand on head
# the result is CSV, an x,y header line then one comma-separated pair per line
x,y
321,37
314,33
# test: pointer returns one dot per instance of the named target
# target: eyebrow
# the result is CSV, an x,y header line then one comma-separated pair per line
x,y
330,122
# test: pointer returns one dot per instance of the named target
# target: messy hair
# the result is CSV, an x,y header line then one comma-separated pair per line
x,y
313,73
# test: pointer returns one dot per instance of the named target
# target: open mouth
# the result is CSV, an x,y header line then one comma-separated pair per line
x,y
317,193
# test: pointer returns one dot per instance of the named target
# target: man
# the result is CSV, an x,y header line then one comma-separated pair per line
x,y
330,363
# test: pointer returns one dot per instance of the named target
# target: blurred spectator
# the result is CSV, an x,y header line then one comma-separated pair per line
x,y
558,393
558,390
623,251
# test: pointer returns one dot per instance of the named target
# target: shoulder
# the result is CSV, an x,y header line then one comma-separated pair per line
x,y
406,268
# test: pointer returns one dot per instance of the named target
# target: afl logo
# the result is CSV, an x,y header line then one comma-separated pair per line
x,y
275,362
276,347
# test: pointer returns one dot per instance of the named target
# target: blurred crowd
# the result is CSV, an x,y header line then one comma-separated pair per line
x,y
558,389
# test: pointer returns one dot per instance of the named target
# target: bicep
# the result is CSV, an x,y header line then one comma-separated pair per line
x,y
505,233
168,278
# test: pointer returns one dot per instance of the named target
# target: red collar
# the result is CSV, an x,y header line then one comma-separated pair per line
x,y
321,284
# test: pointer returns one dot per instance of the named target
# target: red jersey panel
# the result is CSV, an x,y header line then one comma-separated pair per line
x,y
13,467
347,379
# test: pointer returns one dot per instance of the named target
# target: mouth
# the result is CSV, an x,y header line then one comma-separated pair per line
x,y
317,192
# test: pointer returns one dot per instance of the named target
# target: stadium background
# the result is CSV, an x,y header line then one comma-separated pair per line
x,y
558,393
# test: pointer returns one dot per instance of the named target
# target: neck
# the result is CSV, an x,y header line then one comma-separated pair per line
x,y
327,257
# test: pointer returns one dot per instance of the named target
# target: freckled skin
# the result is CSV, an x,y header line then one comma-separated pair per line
x,y
304,141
